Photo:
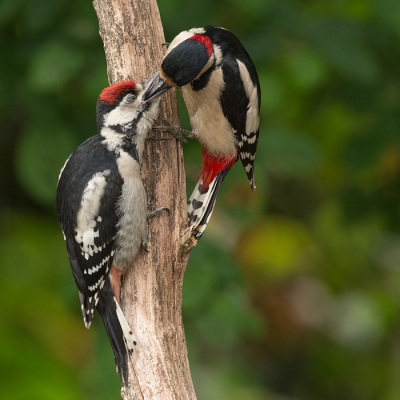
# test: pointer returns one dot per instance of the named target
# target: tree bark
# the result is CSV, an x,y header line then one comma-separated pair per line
x,y
152,290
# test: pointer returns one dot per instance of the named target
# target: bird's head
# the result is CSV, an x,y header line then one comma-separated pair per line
x,y
124,102
189,55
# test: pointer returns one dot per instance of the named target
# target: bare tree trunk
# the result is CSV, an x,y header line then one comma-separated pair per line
x,y
152,292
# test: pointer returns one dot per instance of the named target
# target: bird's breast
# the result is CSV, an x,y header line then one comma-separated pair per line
x,y
207,118
132,208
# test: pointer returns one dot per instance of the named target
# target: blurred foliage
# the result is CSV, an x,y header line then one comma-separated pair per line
x,y
294,290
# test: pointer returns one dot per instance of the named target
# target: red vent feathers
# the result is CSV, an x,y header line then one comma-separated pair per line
x,y
211,166
206,41
112,93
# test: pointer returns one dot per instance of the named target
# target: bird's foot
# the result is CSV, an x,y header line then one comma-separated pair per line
x,y
175,131
144,245
158,210
151,214
187,240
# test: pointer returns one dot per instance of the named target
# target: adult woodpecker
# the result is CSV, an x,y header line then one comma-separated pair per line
x,y
222,94
102,207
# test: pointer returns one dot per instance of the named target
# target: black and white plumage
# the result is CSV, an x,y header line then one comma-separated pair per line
x,y
222,93
102,207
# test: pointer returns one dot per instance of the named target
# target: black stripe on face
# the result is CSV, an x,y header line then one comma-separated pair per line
x,y
202,81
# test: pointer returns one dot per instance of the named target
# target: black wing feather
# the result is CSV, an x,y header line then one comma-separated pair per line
x,y
234,100
89,271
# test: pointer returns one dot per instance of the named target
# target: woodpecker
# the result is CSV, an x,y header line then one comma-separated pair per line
x,y
102,207
222,93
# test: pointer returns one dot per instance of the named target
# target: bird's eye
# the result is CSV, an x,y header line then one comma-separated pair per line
x,y
130,98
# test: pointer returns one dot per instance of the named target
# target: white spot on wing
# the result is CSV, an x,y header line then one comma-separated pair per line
x,y
249,139
97,284
96,268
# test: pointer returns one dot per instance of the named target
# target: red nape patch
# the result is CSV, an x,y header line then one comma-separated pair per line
x,y
211,166
206,41
112,93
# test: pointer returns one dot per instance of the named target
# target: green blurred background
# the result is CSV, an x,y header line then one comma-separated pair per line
x,y
294,291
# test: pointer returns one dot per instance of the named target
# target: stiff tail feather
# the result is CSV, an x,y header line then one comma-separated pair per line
x,y
201,203
119,333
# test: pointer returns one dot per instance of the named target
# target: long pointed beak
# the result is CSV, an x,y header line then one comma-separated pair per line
x,y
154,88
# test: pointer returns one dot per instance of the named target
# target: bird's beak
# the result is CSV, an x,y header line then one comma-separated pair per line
x,y
155,86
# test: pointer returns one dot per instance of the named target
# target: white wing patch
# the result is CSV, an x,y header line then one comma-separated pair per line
x,y
252,117
88,212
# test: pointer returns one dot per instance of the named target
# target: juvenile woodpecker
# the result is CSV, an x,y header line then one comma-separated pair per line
x,y
222,94
102,207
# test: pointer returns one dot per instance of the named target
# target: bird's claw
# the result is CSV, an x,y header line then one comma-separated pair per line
x,y
187,240
158,210
175,131
144,245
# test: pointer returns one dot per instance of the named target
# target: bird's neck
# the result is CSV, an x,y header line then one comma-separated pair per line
x,y
123,138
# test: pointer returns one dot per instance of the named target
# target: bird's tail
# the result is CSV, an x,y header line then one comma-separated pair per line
x,y
119,333
202,201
